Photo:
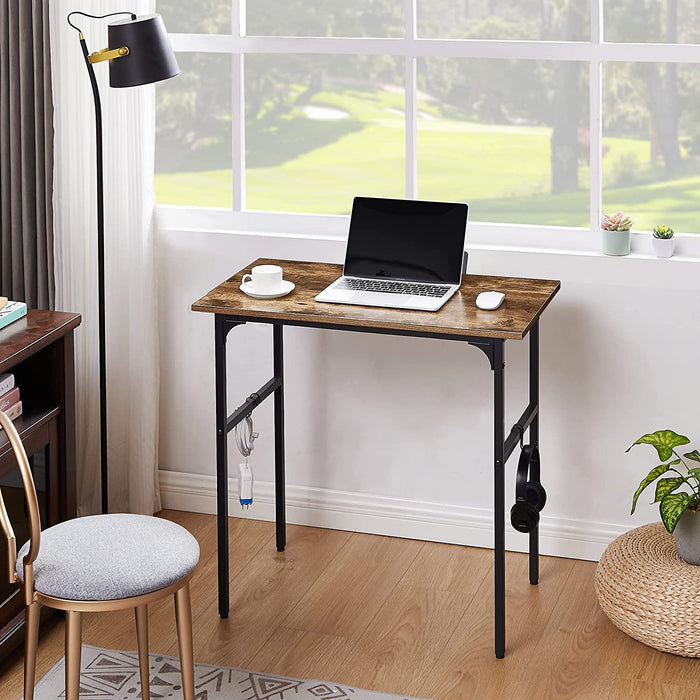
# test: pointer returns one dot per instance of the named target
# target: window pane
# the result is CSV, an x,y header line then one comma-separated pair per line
x,y
357,18
508,19
196,16
656,21
651,143
510,138
193,133
322,129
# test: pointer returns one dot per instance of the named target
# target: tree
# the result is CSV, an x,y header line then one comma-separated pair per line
x,y
654,85
564,152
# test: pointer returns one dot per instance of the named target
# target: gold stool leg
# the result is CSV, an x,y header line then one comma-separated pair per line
x,y
73,635
142,641
183,619
31,641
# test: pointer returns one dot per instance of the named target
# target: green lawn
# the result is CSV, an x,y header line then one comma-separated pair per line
x,y
503,172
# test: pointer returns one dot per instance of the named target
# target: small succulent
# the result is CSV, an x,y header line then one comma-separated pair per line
x,y
617,222
663,231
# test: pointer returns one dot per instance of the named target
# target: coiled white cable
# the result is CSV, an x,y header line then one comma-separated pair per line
x,y
245,436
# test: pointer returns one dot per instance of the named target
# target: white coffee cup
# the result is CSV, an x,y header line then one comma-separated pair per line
x,y
265,279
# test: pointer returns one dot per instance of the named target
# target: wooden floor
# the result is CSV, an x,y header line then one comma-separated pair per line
x,y
395,615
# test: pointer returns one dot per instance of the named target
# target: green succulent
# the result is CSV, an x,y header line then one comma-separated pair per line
x,y
672,497
663,231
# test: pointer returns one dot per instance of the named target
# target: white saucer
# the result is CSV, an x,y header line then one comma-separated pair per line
x,y
287,287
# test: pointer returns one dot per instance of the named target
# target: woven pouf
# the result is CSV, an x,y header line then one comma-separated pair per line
x,y
649,592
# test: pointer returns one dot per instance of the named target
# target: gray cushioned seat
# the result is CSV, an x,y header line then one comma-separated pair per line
x,y
106,557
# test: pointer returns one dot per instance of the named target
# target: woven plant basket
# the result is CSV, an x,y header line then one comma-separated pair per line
x,y
649,592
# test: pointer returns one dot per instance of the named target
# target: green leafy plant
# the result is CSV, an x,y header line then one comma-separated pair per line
x,y
616,222
674,494
663,231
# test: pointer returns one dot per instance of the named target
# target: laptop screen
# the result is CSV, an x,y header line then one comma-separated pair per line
x,y
406,239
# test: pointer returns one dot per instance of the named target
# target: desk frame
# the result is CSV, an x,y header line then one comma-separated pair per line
x,y
503,446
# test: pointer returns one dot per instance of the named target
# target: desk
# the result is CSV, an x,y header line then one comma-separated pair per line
x,y
458,320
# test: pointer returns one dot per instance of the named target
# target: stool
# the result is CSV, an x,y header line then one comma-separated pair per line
x,y
649,592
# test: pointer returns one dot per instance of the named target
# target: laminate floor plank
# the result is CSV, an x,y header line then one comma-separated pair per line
x,y
448,567
640,662
404,641
408,635
301,654
586,646
263,594
350,592
629,689
468,668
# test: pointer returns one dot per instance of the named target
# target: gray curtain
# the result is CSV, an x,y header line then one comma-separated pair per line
x,y
26,153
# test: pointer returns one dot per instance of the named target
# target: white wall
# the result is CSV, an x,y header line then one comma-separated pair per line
x,y
393,435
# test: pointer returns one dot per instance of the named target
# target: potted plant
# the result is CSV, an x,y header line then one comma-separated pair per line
x,y
664,241
616,234
678,495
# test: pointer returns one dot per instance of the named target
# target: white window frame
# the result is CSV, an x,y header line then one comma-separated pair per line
x,y
480,234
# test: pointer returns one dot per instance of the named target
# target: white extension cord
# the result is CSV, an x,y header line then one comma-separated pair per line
x,y
245,484
245,436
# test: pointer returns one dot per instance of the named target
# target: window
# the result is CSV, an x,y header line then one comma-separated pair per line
x,y
538,113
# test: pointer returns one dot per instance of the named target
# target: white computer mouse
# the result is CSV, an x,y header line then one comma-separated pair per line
x,y
490,300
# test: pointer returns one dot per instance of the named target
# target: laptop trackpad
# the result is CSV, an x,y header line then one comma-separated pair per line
x,y
379,299
339,296
350,296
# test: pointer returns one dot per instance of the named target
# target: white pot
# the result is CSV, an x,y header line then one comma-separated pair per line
x,y
663,247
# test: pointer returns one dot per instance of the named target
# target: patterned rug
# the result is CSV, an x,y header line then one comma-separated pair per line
x,y
114,675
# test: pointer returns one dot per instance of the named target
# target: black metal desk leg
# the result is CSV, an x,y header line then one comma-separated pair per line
x,y
535,438
499,514
221,330
278,363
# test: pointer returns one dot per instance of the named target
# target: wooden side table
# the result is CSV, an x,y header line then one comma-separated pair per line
x,y
38,350
649,592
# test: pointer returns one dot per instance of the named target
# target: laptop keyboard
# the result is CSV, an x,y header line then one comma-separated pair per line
x,y
393,287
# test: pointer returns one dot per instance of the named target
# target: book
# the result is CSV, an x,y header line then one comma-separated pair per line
x,y
14,411
9,398
13,311
7,382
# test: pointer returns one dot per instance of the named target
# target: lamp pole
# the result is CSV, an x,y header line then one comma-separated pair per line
x,y
157,65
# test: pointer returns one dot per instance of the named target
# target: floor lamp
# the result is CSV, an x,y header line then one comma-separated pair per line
x,y
139,53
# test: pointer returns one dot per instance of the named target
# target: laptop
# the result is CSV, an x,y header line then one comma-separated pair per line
x,y
401,254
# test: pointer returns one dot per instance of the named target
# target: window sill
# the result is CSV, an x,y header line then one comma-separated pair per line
x,y
633,255
480,236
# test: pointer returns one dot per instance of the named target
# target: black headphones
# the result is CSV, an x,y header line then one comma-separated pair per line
x,y
530,495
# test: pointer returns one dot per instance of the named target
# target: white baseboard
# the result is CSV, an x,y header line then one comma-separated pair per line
x,y
382,515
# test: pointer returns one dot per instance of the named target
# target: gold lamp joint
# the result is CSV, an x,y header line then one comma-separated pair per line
x,y
108,54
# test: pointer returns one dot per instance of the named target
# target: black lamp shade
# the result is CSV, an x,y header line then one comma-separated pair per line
x,y
150,56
